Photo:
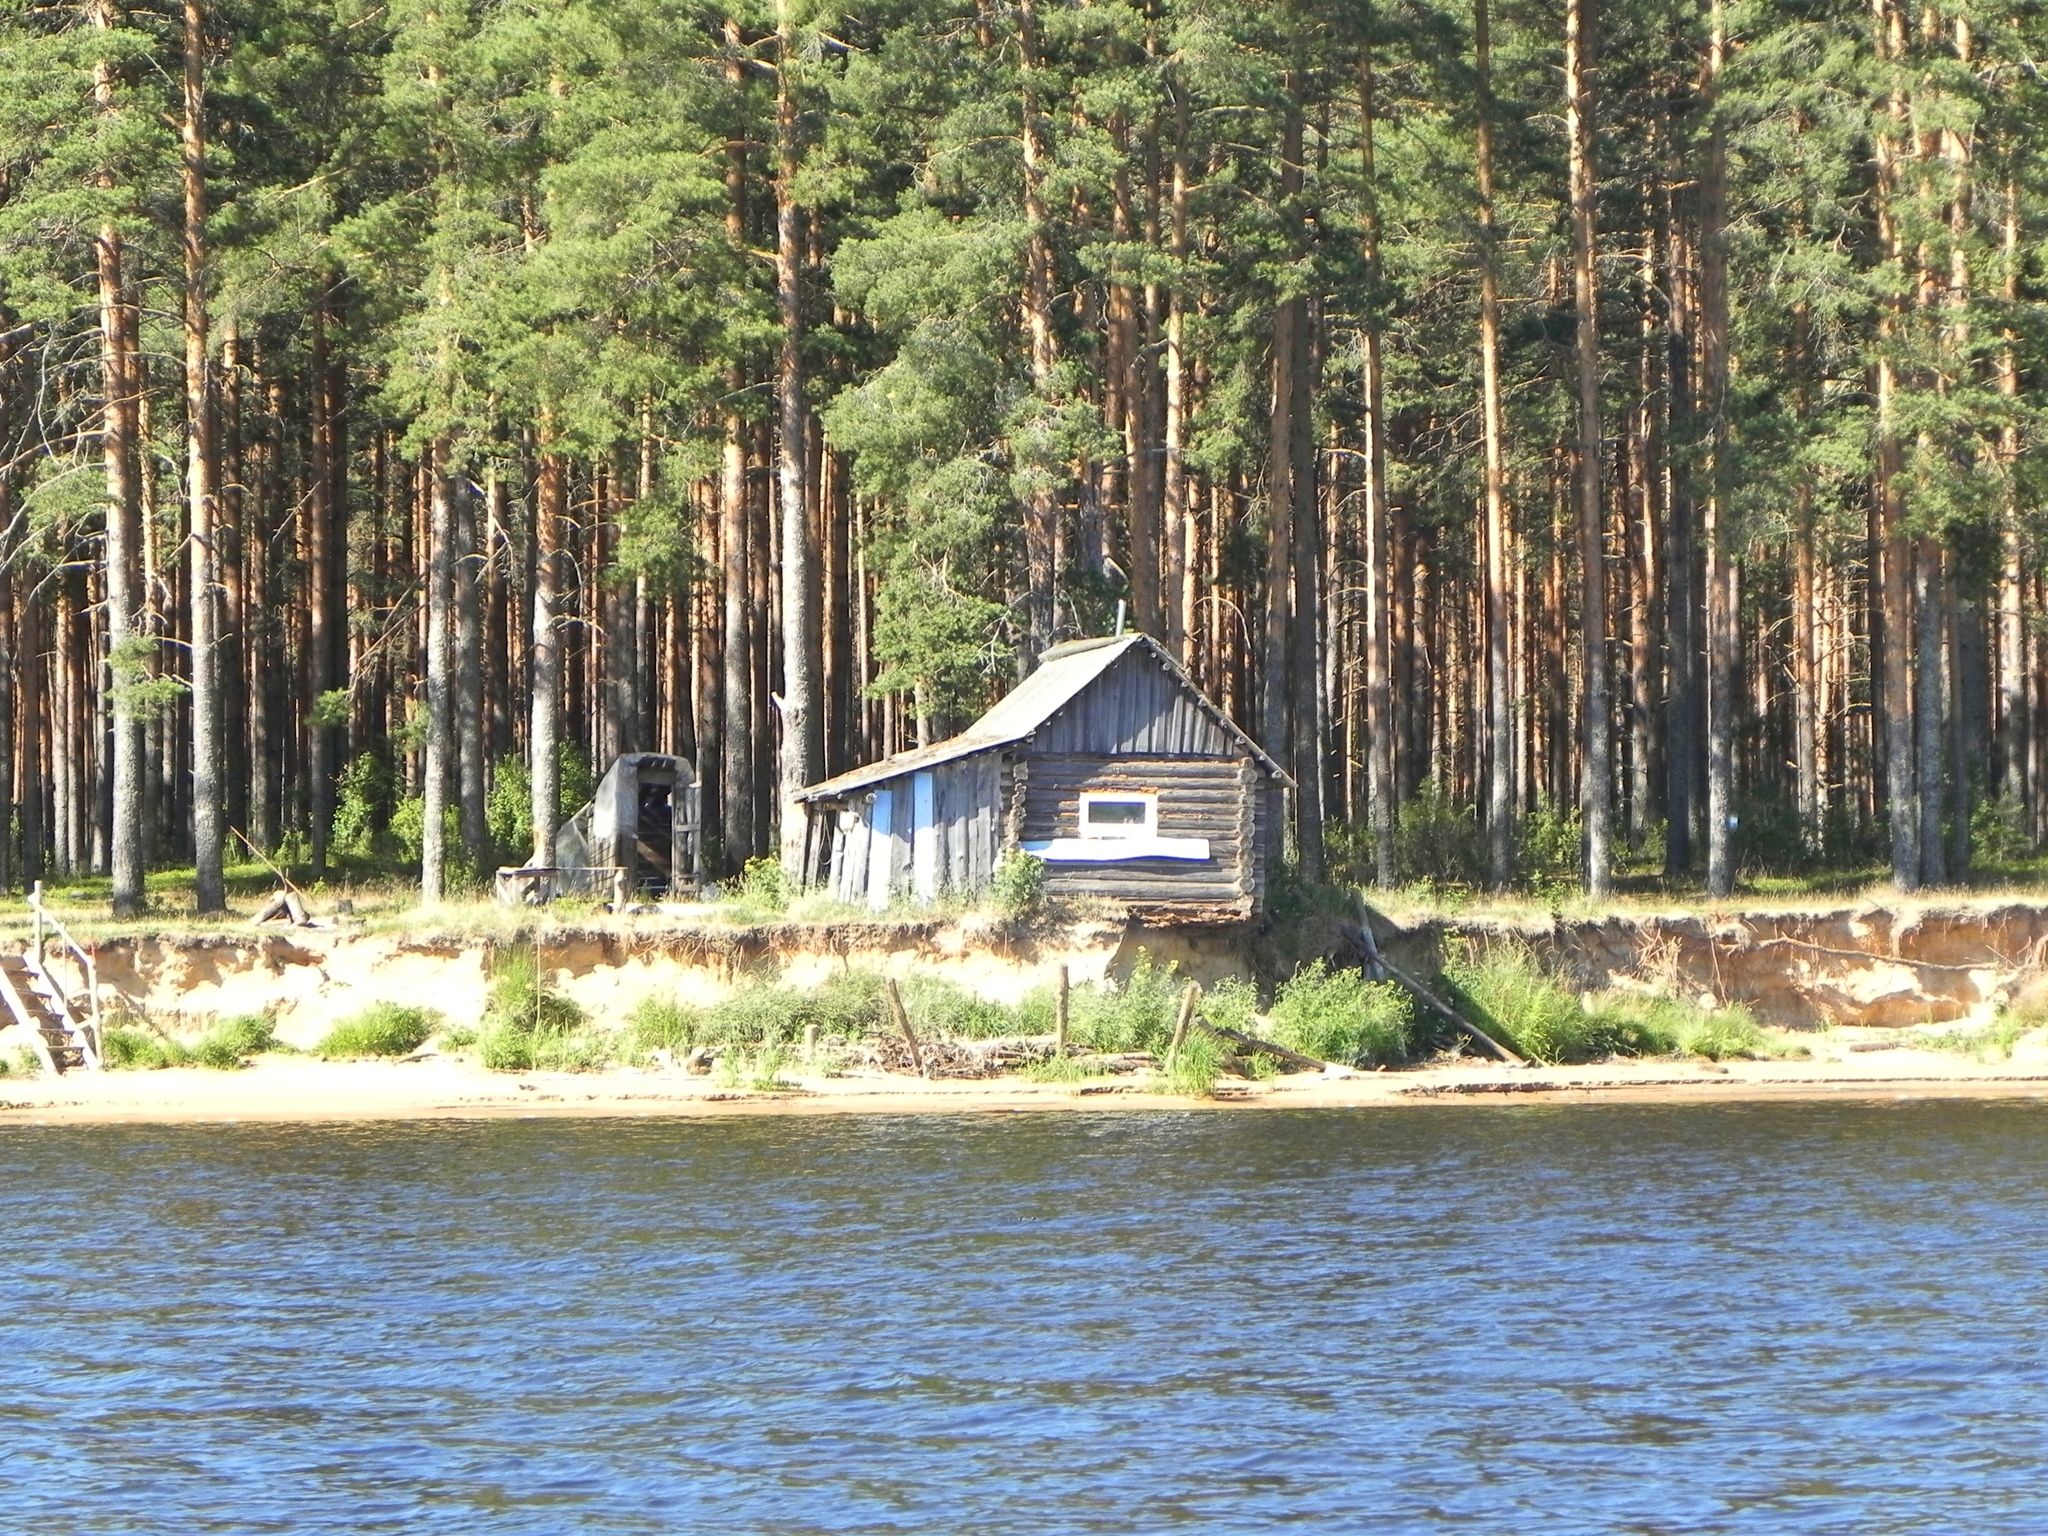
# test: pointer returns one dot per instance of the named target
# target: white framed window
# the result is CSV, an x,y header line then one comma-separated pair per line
x,y
1119,813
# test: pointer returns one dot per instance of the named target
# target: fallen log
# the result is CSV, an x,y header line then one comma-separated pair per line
x,y
1245,1042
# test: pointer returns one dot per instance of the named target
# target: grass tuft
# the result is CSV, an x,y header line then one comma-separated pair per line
x,y
1064,1069
1344,1017
528,1026
228,1046
757,1069
1987,1042
382,1029
135,1050
1192,1070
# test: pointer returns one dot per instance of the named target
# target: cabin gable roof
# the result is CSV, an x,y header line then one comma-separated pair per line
x,y
1149,706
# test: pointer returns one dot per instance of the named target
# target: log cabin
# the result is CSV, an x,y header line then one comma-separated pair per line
x,y
1107,763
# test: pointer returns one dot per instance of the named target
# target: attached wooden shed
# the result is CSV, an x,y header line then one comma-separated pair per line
x,y
1106,762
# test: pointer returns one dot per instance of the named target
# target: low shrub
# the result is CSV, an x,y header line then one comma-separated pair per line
x,y
1137,1016
762,887
1017,890
529,1026
1436,841
232,1041
1232,1003
1548,854
382,1029
1342,1016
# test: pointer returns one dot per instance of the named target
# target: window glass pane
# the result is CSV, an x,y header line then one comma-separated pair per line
x,y
1116,813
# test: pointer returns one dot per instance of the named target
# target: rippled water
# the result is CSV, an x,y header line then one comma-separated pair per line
x,y
1781,1318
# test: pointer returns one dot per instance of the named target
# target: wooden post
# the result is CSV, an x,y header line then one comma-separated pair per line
x,y
810,1043
903,1023
1059,1015
1187,1017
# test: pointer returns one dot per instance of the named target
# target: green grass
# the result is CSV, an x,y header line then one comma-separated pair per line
x,y
1192,1070
759,1069
1507,992
1064,1069
1137,1016
528,1026
660,1023
1342,1016
382,1029
135,1050
1987,1042
228,1046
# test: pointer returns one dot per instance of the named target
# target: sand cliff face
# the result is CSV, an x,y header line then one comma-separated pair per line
x,y
1873,965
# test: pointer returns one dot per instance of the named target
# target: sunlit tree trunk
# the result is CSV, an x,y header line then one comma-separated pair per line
x,y
202,484
121,383
544,729
1500,847
802,739
1723,603
1596,793
1041,508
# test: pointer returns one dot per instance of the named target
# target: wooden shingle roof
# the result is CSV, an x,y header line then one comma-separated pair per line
x,y
1064,672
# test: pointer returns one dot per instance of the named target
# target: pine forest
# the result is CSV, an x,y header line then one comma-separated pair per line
x,y
1583,441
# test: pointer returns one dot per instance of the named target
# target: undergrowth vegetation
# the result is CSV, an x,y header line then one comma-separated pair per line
x,y
529,1026
228,1046
382,1029
1344,1017
125,1048
1506,991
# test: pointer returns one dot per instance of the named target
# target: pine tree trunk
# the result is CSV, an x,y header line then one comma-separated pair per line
x,y
1304,638
544,727
1381,792
802,739
469,681
1041,508
202,488
440,754
1289,341
1500,845
1902,780
322,621
736,731
2011,762
1930,598
1597,782
1723,608
1183,527
121,383
33,691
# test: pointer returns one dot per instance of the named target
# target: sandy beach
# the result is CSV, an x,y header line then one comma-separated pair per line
x,y
287,1089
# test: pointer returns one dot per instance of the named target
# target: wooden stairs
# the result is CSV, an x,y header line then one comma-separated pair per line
x,y
65,1033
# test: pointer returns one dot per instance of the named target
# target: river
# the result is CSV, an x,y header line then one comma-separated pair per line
x,y
1800,1317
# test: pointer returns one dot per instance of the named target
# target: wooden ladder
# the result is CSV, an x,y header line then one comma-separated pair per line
x,y
64,1038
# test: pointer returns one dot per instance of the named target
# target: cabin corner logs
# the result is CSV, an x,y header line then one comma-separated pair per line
x,y
1107,763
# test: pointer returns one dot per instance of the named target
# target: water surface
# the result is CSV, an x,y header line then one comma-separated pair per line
x,y
1806,1318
